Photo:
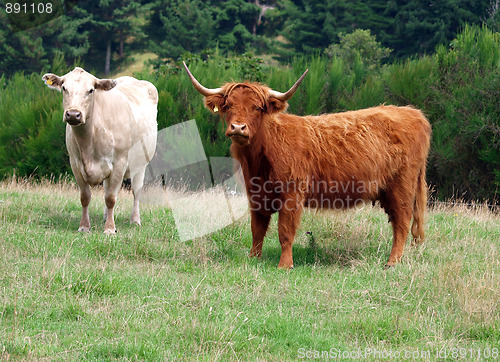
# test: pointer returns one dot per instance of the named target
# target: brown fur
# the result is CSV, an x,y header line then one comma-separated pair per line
x,y
378,153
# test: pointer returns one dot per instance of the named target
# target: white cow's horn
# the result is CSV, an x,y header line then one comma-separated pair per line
x,y
203,90
286,96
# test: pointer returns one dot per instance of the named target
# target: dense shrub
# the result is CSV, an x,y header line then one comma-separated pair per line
x,y
459,90
31,128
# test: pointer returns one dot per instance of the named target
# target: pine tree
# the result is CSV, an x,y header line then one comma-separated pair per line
x,y
20,49
420,25
103,24
312,25
235,20
176,27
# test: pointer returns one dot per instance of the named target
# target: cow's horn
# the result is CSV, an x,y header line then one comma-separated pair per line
x,y
286,96
204,91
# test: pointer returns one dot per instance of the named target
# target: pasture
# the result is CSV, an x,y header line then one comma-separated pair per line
x,y
143,294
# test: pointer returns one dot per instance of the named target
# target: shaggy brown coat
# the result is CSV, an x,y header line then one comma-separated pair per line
x,y
332,160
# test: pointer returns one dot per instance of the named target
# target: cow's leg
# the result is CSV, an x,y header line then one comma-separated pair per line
x,y
110,200
401,205
137,184
113,184
288,221
419,206
260,223
105,186
400,228
85,197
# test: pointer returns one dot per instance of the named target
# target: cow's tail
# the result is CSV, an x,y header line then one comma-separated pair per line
x,y
419,206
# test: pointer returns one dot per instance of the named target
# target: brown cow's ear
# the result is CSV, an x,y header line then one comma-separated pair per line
x,y
53,81
215,103
105,84
275,105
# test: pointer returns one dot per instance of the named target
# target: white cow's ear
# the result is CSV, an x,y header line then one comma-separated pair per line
x,y
105,84
53,81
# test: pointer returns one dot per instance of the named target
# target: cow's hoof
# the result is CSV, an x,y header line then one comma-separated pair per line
x,y
135,222
387,266
84,229
110,231
285,267
416,243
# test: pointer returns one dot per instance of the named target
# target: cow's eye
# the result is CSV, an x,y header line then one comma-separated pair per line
x,y
64,88
91,91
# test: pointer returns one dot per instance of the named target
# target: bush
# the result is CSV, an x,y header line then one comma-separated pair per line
x,y
31,128
468,121
359,44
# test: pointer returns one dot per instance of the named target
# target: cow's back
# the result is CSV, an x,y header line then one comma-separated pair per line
x,y
371,144
125,114
142,98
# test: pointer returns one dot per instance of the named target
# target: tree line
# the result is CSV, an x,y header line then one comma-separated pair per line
x,y
103,33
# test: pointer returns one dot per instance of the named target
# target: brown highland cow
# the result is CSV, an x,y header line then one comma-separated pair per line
x,y
329,161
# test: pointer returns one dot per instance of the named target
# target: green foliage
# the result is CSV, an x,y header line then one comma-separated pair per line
x,y
408,27
31,130
313,85
412,81
108,23
458,89
177,27
31,126
85,31
234,21
302,28
418,26
469,118
311,26
104,32
493,15
23,48
359,44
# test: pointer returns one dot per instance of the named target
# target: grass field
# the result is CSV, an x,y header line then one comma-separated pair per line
x,y
143,294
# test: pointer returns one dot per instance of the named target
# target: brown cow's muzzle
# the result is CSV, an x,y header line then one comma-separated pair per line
x,y
238,133
73,117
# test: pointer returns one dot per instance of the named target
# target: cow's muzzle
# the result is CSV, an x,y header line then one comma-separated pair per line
x,y
238,133
73,117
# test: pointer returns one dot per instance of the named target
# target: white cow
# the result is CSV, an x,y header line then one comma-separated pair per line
x,y
110,135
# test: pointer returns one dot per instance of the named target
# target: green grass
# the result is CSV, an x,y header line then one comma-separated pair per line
x,y
143,294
